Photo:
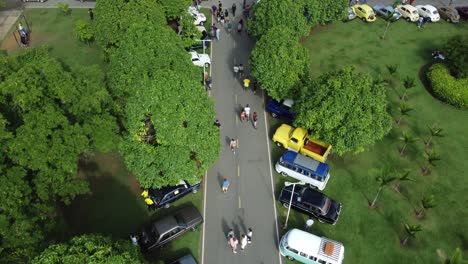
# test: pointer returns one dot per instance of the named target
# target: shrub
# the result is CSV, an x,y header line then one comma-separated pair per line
x,y
64,8
84,31
448,88
456,50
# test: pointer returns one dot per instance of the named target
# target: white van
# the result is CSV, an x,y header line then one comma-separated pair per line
x,y
304,169
310,249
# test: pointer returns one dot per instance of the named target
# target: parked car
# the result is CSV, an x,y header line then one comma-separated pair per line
x,y
280,109
449,14
200,60
428,11
156,234
312,203
462,11
42,1
350,16
409,12
199,18
164,196
387,12
364,12
188,259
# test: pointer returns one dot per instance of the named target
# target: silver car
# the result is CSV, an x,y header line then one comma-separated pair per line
x,y
387,12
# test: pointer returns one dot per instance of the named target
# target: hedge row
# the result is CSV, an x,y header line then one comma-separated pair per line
x,y
448,88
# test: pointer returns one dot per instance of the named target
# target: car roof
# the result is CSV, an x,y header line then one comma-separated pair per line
x,y
320,168
165,224
187,259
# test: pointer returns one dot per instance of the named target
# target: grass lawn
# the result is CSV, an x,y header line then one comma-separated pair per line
x,y
114,206
373,235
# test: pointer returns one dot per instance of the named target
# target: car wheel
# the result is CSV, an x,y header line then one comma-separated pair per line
x,y
167,205
290,258
274,115
408,19
286,205
321,221
363,19
448,20
279,144
313,187
284,174
194,190
207,65
193,228
202,23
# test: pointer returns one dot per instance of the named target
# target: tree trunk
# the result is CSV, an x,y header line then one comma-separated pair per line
x,y
404,241
398,121
372,205
425,170
419,214
428,142
386,29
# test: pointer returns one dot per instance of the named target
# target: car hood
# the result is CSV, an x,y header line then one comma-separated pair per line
x,y
204,57
190,215
334,211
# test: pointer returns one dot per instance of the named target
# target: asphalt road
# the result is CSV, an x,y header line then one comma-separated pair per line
x,y
249,201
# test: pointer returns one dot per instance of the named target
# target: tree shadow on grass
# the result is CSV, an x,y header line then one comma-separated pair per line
x,y
111,209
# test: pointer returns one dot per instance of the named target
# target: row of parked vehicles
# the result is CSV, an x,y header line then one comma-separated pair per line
x,y
408,12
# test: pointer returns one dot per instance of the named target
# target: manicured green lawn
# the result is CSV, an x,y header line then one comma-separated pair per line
x,y
373,235
114,206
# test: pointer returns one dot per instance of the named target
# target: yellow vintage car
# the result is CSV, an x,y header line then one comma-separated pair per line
x,y
364,12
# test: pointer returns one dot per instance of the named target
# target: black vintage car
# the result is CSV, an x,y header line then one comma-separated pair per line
x,y
160,232
165,196
311,202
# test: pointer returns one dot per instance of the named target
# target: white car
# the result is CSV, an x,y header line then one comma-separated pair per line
x,y
428,11
200,18
409,12
200,60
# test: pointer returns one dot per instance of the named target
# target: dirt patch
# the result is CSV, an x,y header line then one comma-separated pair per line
x,y
134,184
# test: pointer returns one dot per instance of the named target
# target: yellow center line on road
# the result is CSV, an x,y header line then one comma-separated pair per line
x,y
239,202
238,171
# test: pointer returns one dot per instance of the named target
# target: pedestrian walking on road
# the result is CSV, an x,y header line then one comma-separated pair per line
x,y
411,2
218,32
233,8
233,145
221,16
236,69
233,243
254,119
247,112
255,86
246,83
226,184
230,234
249,235
220,5
226,13
243,242
239,28
241,70
242,116
213,9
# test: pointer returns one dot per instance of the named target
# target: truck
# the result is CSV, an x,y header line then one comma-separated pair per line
x,y
298,140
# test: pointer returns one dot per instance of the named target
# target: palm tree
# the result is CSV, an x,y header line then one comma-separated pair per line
x,y
404,111
435,131
427,202
456,257
392,68
404,177
411,231
407,139
408,82
431,157
390,17
384,179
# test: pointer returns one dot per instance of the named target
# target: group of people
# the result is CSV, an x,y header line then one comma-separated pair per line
x,y
239,71
222,17
244,240
245,116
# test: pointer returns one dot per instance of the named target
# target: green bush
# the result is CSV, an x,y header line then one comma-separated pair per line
x,y
448,88
64,8
84,31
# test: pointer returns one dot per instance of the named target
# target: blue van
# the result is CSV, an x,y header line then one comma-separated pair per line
x,y
304,169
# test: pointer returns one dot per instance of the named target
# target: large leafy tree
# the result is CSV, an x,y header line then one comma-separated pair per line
x,y
90,249
50,116
174,9
456,49
322,11
278,62
272,13
344,108
143,50
114,17
170,130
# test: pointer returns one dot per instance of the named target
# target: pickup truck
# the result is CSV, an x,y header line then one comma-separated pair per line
x,y
280,109
298,140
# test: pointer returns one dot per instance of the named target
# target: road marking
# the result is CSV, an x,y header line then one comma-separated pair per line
x,y
238,170
204,217
271,177
239,202
235,96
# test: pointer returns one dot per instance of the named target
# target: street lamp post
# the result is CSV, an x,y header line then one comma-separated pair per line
x,y
290,201
204,46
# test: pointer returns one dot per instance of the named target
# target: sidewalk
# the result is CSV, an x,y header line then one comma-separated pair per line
x,y
53,4
7,20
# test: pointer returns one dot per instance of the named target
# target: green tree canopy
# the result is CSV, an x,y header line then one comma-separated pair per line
x,y
456,50
344,108
278,62
174,9
170,130
321,11
50,116
271,13
114,17
144,50
90,249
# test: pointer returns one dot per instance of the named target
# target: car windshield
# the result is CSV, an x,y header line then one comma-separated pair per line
x,y
414,12
434,12
370,12
326,206
180,220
